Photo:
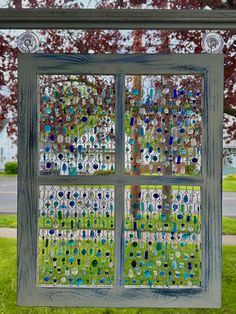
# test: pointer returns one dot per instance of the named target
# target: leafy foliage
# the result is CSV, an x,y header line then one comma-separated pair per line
x,y
11,167
114,41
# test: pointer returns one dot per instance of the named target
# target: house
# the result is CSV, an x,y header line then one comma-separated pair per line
x,y
8,150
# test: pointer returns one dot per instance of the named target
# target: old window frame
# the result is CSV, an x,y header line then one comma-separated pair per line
x,y
211,67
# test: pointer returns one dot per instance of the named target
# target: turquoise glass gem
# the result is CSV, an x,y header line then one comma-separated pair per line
x,y
135,92
47,128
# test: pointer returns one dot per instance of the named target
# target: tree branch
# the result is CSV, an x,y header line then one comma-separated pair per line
x,y
230,111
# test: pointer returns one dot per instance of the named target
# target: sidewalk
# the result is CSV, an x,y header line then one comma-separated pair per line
x,y
11,233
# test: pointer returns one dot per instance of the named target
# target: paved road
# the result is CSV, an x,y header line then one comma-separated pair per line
x,y
8,202
11,233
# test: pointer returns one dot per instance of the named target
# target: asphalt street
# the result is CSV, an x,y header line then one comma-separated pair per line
x,y
8,198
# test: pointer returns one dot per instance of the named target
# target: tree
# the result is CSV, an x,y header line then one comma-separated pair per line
x,y
115,41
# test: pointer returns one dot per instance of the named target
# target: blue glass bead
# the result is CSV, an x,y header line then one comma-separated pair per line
x,y
195,160
150,283
159,246
185,236
64,167
46,278
51,231
149,263
84,119
134,263
47,148
83,251
131,121
71,259
163,217
142,131
185,199
135,92
103,241
45,98
47,128
102,281
171,140
148,102
71,110
186,275
72,148
180,216
79,281
159,130
147,273
138,217
190,93
162,273
147,120
175,93
71,242
155,195
190,267
151,94
178,160
174,265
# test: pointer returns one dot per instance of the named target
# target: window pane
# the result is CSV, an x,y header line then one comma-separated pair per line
x,y
163,125
77,132
162,236
76,236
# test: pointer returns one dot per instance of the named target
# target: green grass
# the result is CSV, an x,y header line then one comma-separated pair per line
x,y
229,224
8,289
8,221
229,185
3,174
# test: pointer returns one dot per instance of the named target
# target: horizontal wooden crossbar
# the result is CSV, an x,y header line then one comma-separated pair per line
x,y
117,19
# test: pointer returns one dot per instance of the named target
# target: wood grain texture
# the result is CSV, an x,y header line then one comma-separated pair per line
x,y
212,140
117,19
211,67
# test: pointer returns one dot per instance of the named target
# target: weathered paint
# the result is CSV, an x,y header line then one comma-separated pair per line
x,y
211,67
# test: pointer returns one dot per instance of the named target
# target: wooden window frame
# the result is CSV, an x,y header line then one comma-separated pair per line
x,y
211,68
117,19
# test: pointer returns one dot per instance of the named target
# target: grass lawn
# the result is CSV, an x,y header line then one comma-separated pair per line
x,y
229,224
8,289
3,174
8,221
229,185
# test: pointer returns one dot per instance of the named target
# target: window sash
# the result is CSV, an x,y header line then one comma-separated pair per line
x,y
30,66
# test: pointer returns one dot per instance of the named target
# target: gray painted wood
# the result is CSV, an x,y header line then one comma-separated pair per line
x,y
120,179
211,67
117,19
212,179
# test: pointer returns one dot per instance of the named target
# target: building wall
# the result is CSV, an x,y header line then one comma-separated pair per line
x,y
8,151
